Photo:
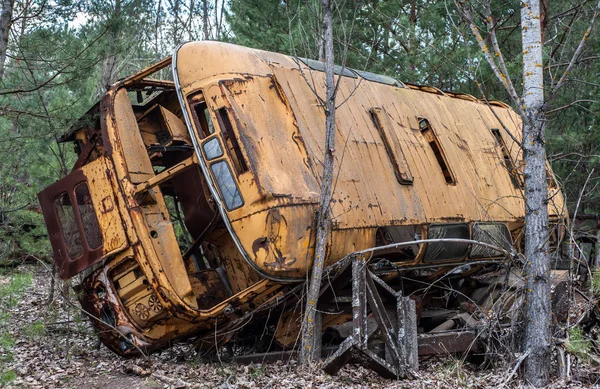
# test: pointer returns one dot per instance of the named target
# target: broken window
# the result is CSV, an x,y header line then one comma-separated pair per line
x,y
434,143
550,180
67,215
226,184
231,143
203,121
398,234
508,161
496,234
88,216
68,224
446,251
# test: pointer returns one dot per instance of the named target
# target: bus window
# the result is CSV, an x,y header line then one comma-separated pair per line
x,y
88,216
204,124
68,224
434,143
231,143
212,149
227,186
446,251
508,162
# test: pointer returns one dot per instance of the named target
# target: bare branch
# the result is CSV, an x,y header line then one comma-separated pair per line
x,y
574,103
58,72
577,51
497,53
502,77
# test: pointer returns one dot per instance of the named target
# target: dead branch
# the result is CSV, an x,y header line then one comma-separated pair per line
x,y
58,72
577,53
502,77
514,370
574,103
175,383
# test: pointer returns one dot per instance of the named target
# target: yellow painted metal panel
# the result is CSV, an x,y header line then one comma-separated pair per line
x,y
104,200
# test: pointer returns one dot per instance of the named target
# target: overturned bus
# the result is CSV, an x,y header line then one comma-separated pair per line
x,y
190,210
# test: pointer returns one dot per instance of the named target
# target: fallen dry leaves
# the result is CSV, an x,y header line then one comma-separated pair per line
x,y
66,354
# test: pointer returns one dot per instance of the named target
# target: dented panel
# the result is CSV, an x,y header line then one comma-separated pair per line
x,y
191,207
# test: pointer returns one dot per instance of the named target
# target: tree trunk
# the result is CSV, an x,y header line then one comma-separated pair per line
x,y
310,332
176,22
205,19
412,40
537,268
189,25
109,69
5,24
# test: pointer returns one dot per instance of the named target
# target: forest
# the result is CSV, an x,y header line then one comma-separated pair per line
x,y
58,58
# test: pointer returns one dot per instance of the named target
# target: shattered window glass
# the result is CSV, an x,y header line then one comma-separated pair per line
x,y
227,186
208,120
446,251
66,216
88,216
496,234
212,149
398,234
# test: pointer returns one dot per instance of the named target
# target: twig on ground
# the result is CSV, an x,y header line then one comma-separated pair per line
x,y
514,370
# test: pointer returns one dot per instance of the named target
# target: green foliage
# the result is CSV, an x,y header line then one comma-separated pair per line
x,y
7,377
34,330
595,282
427,42
11,291
381,37
256,372
7,342
578,345
56,66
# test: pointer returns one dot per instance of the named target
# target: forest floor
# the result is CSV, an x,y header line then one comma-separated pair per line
x,y
47,345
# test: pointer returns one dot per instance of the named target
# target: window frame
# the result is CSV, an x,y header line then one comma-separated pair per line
x,y
218,186
435,146
509,163
87,250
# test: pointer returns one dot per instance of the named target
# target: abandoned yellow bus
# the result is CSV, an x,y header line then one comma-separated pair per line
x,y
192,202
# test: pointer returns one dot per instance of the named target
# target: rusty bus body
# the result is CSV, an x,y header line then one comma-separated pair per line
x,y
192,202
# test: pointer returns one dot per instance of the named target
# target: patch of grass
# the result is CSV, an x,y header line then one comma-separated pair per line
x,y
7,342
34,330
4,316
7,377
256,372
11,291
596,281
454,368
578,345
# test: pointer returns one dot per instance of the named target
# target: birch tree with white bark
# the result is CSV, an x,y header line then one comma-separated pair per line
x,y
532,105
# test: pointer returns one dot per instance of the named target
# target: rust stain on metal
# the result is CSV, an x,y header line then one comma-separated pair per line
x,y
195,207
